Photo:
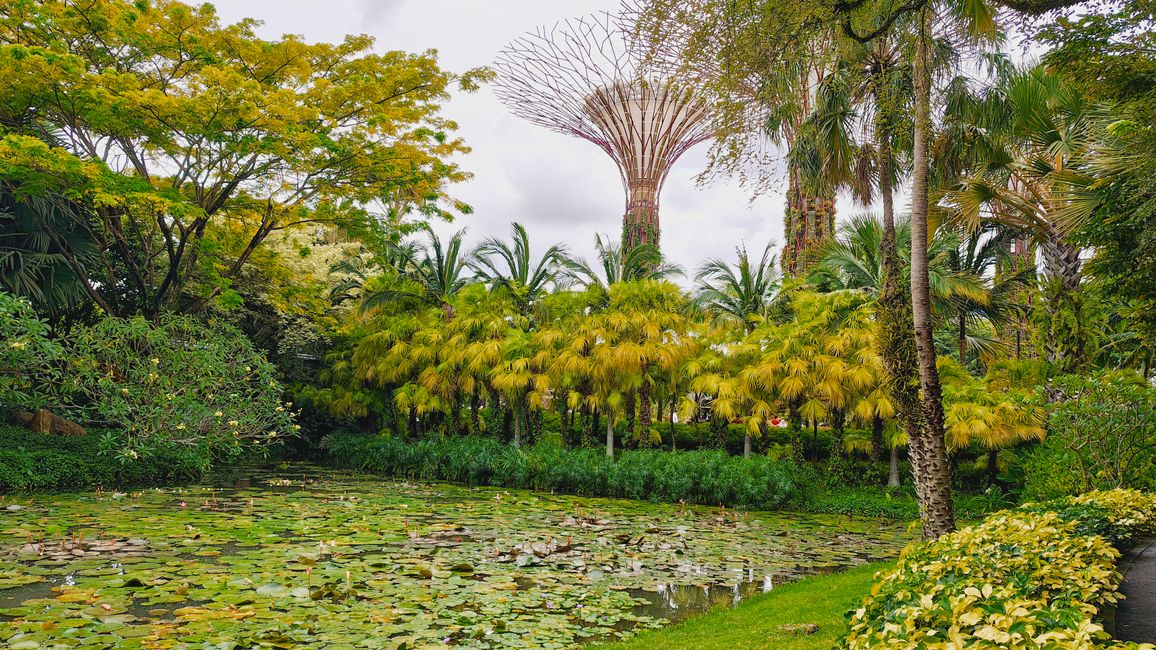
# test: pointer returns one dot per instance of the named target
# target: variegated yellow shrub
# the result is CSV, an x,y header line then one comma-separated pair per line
x,y
1027,578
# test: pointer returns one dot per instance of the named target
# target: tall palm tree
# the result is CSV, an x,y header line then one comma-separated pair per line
x,y
509,266
1039,157
644,262
430,272
744,291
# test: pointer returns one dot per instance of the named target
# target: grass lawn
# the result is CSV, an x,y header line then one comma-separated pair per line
x,y
756,622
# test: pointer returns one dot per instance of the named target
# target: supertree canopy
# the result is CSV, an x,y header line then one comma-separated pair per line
x,y
581,78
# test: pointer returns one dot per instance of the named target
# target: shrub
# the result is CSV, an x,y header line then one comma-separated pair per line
x,y
174,381
1101,435
36,462
703,477
27,355
1024,578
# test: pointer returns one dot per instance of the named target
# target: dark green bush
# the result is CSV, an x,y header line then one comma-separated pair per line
x,y
703,477
35,462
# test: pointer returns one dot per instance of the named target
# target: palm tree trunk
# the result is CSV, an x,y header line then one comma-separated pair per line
x,y
631,411
838,431
644,413
876,438
609,436
747,444
518,424
962,339
929,450
475,420
893,477
993,465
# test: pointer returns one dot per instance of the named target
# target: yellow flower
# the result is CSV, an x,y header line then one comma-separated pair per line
x,y
155,361
218,414
233,423
180,427
19,345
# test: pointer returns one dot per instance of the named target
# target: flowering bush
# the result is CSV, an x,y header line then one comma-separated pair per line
x,y
1026,578
26,355
175,381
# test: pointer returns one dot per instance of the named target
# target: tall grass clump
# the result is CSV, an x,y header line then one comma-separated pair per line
x,y
701,477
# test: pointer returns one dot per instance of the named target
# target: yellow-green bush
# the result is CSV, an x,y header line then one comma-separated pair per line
x,y
1026,578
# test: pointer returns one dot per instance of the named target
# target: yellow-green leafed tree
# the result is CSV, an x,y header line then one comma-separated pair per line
x,y
153,122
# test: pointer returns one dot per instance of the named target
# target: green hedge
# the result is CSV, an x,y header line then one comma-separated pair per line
x,y
36,462
898,503
1034,577
703,477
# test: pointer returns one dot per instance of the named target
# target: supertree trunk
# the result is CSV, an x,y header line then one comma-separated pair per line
x,y
809,223
640,223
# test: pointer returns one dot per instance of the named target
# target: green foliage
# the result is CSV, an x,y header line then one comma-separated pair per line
x,y
896,503
175,381
35,462
1101,434
703,477
229,136
27,354
1022,579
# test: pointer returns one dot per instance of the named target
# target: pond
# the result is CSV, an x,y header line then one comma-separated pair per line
x,y
313,558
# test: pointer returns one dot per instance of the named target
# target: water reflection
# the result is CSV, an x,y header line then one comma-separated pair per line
x,y
675,601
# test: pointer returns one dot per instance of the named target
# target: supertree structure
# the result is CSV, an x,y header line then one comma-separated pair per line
x,y
725,47
581,78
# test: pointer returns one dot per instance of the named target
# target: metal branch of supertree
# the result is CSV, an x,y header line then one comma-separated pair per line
x,y
581,78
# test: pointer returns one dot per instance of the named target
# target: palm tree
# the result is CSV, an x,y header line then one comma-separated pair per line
x,y
643,262
1039,156
431,273
744,291
509,266
977,254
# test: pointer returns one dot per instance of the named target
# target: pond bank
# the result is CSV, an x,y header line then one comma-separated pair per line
x,y
806,615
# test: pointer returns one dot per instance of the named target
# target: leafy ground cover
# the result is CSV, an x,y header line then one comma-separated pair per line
x,y
806,615
1035,577
35,462
318,558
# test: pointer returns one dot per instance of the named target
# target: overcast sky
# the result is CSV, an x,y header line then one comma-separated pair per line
x,y
563,189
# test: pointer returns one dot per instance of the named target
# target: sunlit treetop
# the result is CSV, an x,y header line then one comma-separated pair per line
x,y
199,120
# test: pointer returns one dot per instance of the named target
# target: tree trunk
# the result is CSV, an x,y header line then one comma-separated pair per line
x,y
644,413
518,424
838,431
993,466
893,477
963,339
746,444
795,426
877,438
609,436
631,410
475,420
929,451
